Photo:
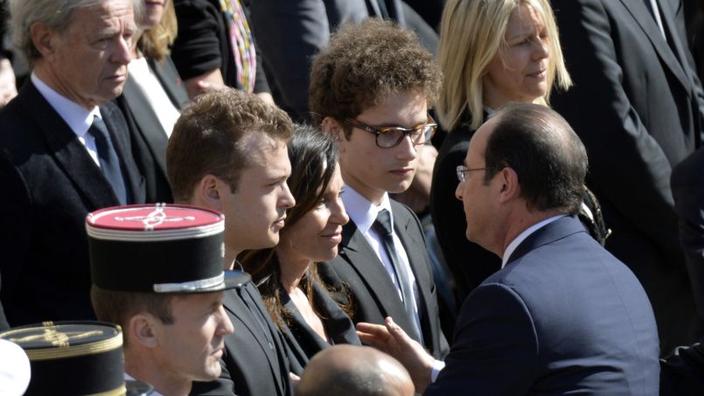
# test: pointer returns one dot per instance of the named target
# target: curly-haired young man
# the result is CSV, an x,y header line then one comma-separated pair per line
x,y
371,88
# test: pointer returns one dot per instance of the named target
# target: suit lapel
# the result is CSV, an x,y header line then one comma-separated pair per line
x,y
362,258
167,75
68,151
645,20
300,322
238,309
149,126
668,20
338,325
117,127
415,250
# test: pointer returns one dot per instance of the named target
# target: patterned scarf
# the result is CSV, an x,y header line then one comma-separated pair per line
x,y
242,43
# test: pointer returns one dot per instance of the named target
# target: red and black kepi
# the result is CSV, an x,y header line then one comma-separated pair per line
x,y
159,248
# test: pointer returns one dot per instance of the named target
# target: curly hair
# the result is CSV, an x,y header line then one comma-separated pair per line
x,y
209,138
366,62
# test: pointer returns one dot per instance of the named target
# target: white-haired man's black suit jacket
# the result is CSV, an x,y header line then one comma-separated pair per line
x,y
49,184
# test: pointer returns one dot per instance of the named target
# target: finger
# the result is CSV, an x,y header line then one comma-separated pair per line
x,y
373,341
372,328
396,331
373,334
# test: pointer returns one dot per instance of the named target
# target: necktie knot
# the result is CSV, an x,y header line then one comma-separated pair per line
x,y
383,222
99,130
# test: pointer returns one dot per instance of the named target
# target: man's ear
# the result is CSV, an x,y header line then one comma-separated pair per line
x,y
43,38
508,185
208,192
143,329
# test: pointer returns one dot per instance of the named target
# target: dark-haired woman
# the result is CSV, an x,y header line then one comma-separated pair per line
x,y
299,303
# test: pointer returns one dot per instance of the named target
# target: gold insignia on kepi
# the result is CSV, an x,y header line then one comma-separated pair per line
x,y
58,351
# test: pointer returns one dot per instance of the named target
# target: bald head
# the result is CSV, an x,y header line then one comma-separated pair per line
x,y
349,370
547,155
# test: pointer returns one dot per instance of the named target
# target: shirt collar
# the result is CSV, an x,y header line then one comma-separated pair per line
x,y
128,377
78,118
525,234
361,210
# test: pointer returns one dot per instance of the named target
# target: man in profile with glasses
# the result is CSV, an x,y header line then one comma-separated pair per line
x,y
371,89
562,315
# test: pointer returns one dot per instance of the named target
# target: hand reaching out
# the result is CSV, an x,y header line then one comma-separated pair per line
x,y
391,339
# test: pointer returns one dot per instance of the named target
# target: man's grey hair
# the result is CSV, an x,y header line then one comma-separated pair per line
x,y
55,14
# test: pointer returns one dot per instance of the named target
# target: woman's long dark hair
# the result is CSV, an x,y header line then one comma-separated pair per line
x,y
313,157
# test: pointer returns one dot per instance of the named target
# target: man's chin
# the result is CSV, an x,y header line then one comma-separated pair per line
x,y
210,373
399,188
271,241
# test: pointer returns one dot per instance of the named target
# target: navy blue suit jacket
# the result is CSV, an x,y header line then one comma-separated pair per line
x,y
564,316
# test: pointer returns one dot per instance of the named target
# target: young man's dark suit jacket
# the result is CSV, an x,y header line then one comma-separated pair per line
x,y
49,184
688,190
255,362
148,139
374,297
564,316
637,106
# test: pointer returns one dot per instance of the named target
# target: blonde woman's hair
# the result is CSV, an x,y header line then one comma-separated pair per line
x,y
156,42
472,32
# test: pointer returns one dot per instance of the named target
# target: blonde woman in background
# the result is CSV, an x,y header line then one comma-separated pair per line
x,y
492,52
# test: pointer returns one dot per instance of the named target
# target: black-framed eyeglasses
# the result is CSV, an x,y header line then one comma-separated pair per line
x,y
463,170
388,137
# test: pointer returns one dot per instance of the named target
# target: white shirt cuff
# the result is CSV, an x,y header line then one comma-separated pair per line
x,y
438,365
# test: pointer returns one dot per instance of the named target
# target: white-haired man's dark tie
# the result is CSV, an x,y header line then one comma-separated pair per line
x,y
107,157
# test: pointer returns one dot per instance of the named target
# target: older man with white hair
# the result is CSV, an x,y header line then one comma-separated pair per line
x,y
64,151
